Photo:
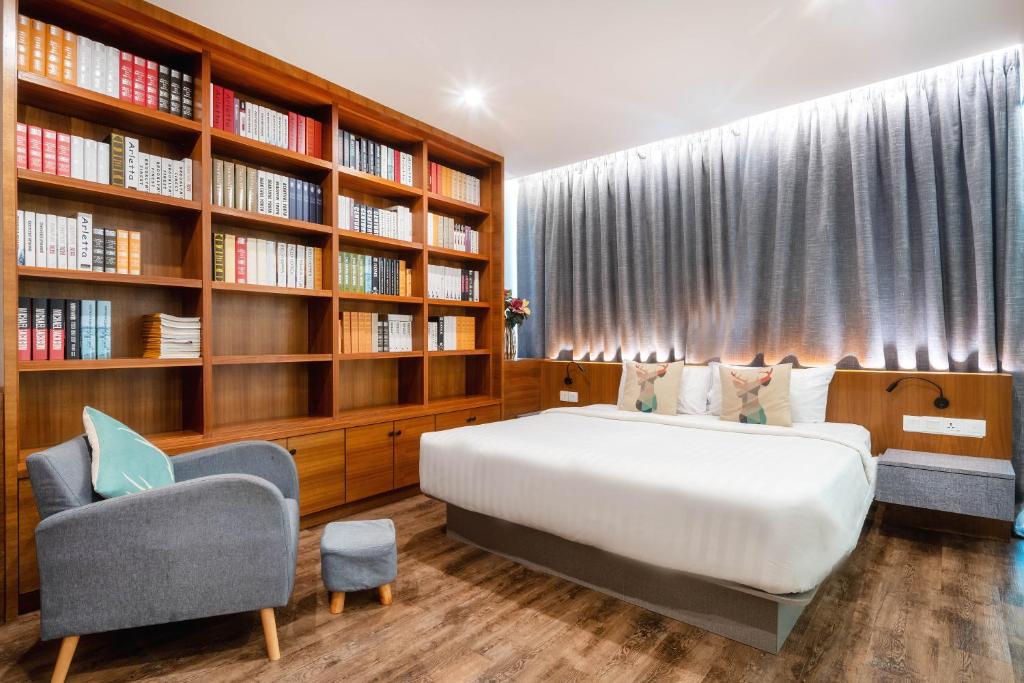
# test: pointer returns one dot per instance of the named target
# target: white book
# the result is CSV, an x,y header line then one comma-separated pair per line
x,y
261,256
144,172
89,170
275,185
290,266
51,241
40,240
166,177
261,194
20,238
300,266
77,157
103,162
84,79
99,67
282,264
155,172
30,237
179,179
253,265
284,198
62,242
131,162
113,72
187,165
309,268
84,222
270,265
71,230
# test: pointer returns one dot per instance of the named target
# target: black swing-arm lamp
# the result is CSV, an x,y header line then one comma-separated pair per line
x,y
941,402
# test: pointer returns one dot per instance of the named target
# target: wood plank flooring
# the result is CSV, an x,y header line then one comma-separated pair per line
x,y
907,605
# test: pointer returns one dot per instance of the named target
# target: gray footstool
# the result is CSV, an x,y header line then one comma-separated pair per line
x,y
358,555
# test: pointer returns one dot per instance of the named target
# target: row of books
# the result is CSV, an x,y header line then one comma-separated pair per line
x,y
370,156
237,186
446,232
287,130
117,160
451,333
263,262
454,284
365,274
170,336
455,184
394,222
51,51
375,332
74,243
63,329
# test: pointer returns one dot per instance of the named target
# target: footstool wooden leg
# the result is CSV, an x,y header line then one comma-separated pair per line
x,y
337,602
385,594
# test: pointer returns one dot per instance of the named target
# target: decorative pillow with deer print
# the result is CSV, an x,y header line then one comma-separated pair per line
x,y
756,395
650,387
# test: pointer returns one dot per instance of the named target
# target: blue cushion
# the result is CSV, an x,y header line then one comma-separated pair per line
x,y
122,461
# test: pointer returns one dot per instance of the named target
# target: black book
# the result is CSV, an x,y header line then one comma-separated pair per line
x,y
57,338
303,204
175,92
187,100
319,191
293,196
375,276
376,221
440,333
73,331
363,155
376,158
164,89
110,251
99,254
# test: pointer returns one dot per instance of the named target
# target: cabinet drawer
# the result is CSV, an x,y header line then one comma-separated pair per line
x,y
407,448
964,494
369,460
320,461
472,416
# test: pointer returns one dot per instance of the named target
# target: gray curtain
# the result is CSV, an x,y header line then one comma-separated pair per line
x,y
879,228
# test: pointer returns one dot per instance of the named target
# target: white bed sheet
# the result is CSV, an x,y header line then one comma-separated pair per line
x,y
773,508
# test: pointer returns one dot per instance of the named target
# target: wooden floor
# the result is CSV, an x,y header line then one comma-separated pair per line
x,y
907,605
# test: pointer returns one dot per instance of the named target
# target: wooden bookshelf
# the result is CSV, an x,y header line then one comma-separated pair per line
x,y
271,365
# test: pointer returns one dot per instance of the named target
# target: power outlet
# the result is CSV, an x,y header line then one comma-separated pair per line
x,y
950,426
568,396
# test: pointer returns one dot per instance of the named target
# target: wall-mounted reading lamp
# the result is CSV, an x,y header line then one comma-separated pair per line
x,y
941,402
568,378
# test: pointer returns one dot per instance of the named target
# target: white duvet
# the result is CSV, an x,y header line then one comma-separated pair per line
x,y
773,508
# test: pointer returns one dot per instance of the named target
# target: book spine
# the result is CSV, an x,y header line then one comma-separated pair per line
x,y
175,92
89,164
84,237
99,250
73,329
152,85
110,250
230,259
69,58
218,257
117,159
62,242
35,148
64,155
218,182
20,145
88,329
37,47
40,319
24,30
49,151
20,239
134,252
24,336
139,81
30,238
282,264
241,260
163,91
112,72
187,171
51,241
55,327
187,96
103,329
77,157
131,162
103,163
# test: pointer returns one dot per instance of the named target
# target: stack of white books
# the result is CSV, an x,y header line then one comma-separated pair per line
x,y
169,336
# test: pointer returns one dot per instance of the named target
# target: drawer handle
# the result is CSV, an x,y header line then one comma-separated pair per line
x,y
391,433
291,451
398,433
471,419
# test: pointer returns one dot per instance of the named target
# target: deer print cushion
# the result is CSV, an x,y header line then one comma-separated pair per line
x,y
756,395
650,387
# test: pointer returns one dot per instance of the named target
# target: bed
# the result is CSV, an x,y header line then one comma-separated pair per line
x,y
728,526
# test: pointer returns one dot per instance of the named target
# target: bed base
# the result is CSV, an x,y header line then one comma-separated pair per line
x,y
753,617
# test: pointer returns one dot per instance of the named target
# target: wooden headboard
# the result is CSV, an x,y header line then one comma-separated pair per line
x,y
855,396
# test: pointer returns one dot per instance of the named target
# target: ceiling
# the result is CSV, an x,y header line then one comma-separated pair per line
x,y
572,79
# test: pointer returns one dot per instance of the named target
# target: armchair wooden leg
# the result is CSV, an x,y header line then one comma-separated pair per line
x,y
67,651
337,602
385,594
270,633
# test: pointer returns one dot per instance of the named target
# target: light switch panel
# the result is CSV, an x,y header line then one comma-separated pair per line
x,y
950,426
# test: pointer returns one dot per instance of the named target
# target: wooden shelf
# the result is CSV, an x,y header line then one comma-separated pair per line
x,y
462,402
355,296
108,278
266,289
362,239
379,355
106,364
351,179
457,302
255,152
461,352
63,98
258,221
382,413
166,441
110,195
447,205
456,255
262,359
269,429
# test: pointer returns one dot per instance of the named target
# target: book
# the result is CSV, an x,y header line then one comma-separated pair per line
x,y
110,250
152,85
98,82
62,241
126,77
21,145
139,80
89,159
56,329
23,31
20,238
112,71
40,333
116,142
218,257
37,47
77,157
163,99
69,58
121,253
187,172
134,252
35,148
99,249
40,240
218,182
72,329
63,155
49,151
103,317
84,226
29,218
169,336
229,185
229,258
187,96
71,233
24,335
241,259
131,162
103,163
88,329
84,77
175,90
51,241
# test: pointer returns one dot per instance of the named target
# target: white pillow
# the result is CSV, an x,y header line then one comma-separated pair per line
x,y
693,394
808,392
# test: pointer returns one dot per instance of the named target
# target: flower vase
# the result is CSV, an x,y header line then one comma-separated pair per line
x,y
511,342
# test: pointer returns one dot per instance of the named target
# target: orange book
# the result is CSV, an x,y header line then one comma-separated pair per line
x,y
37,47
134,252
24,28
402,291
318,275
346,329
54,51
69,61
367,334
122,251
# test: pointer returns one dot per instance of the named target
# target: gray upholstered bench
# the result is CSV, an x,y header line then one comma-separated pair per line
x,y
356,556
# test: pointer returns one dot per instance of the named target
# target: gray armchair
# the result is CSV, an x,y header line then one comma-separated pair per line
x,y
222,539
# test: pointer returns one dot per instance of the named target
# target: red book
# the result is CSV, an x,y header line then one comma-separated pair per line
x,y
152,84
64,155
317,141
310,133
24,324
300,135
35,148
398,167
241,259
293,128
125,88
139,81
49,151
218,107
21,146
228,117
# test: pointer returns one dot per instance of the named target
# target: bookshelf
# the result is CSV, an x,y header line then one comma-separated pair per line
x,y
271,365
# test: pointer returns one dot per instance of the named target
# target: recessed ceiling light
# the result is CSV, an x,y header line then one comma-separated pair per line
x,y
472,97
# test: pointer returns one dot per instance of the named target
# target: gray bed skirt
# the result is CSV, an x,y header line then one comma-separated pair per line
x,y
750,616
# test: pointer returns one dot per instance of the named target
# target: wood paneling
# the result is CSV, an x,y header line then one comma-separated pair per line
x,y
320,461
472,416
407,448
28,518
369,460
522,387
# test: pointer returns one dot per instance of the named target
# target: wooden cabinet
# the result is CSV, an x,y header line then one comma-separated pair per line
x,y
320,461
471,416
369,460
407,448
